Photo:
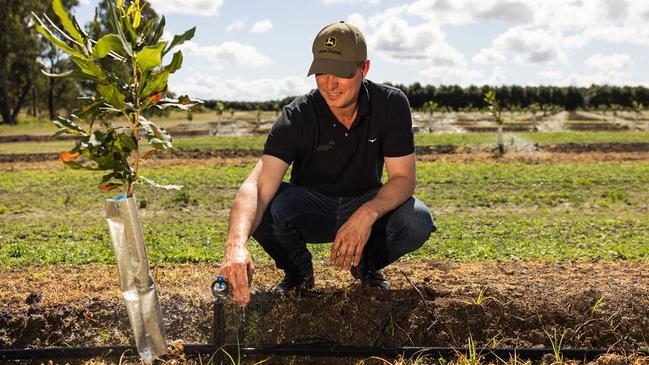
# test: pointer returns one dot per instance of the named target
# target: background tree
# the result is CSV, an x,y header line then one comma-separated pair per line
x,y
429,108
495,109
19,48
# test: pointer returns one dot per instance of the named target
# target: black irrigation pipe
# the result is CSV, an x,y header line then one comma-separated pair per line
x,y
219,347
314,350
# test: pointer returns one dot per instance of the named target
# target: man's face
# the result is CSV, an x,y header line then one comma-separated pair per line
x,y
341,92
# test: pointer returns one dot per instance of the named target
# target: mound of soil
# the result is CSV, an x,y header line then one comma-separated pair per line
x,y
421,151
432,303
595,127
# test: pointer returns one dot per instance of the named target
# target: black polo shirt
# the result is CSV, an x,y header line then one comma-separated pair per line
x,y
335,161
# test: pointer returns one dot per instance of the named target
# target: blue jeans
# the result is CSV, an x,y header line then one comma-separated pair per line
x,y
297,215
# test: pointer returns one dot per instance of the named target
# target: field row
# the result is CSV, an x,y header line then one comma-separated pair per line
x,y
210,143
483,210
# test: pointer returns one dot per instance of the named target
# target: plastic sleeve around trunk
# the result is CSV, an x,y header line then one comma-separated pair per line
x,y
135,280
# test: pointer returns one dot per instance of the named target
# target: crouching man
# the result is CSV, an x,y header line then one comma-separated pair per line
x,y
337,137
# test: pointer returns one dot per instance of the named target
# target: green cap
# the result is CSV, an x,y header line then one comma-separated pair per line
x,y
337,50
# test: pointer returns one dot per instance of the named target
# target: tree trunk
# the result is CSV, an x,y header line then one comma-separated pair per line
x,y
50,99
5,109
34,101
21,99
501,140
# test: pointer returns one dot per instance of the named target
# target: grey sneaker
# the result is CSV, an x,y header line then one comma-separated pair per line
x,y
370,277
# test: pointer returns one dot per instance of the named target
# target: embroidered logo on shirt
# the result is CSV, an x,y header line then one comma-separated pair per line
x,y
371,140
326,147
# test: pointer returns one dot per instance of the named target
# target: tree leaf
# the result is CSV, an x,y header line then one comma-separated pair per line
x,y
112,95
89,68
115,24
156,185
175,63
68,126
150,57
64,74
180,39
106,44
67,156
158,137
156,82
108,187
159,30
60,12
47,33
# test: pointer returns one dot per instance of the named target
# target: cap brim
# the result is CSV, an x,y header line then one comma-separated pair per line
x,y
337,68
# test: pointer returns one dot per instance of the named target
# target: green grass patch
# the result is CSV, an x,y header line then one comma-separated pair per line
x,y
490,211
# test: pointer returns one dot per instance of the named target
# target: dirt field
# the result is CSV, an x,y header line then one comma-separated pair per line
x,y
432,303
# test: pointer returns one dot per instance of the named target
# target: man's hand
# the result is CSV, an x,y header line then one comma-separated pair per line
x,y
237,268
350,240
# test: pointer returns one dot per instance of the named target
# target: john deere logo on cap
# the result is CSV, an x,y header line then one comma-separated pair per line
x,y
330,42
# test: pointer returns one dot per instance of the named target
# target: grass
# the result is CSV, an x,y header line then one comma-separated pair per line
x,y
484,211
209,143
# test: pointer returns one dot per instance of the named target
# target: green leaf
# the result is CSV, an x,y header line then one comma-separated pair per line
x,y
159,30
115,24
156,185
180,39
150,57
176,62
112,95
158,137
60,12
108,43
126,142
157,82
47,33
68,126
89,68
64,74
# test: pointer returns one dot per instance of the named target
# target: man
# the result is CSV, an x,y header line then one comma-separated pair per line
x,y
338,137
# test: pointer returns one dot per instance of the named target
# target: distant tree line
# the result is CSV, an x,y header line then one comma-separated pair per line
x,y
457,98
510,97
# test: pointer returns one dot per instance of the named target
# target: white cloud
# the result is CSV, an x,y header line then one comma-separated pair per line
x,y
359,21
228,52
262,26
193,7
489,56
611,68
459,12
462,75
550,74
209,86
530,46
350,2
236,25
397,41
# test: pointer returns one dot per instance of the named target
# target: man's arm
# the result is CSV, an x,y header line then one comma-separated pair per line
x,y
353,235
248,208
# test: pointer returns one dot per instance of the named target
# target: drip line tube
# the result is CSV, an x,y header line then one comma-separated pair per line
x,y
315,350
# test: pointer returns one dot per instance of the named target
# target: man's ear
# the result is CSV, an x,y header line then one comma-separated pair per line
x,y
366,68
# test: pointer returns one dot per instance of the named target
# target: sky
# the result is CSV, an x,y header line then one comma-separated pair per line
x,y
261,49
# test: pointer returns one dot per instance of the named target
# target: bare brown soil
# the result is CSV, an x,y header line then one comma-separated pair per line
x,y
432,303
614,150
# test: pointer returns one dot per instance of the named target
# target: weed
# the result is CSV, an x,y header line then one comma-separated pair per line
x,y
418,358
598,305
480,299
556,342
